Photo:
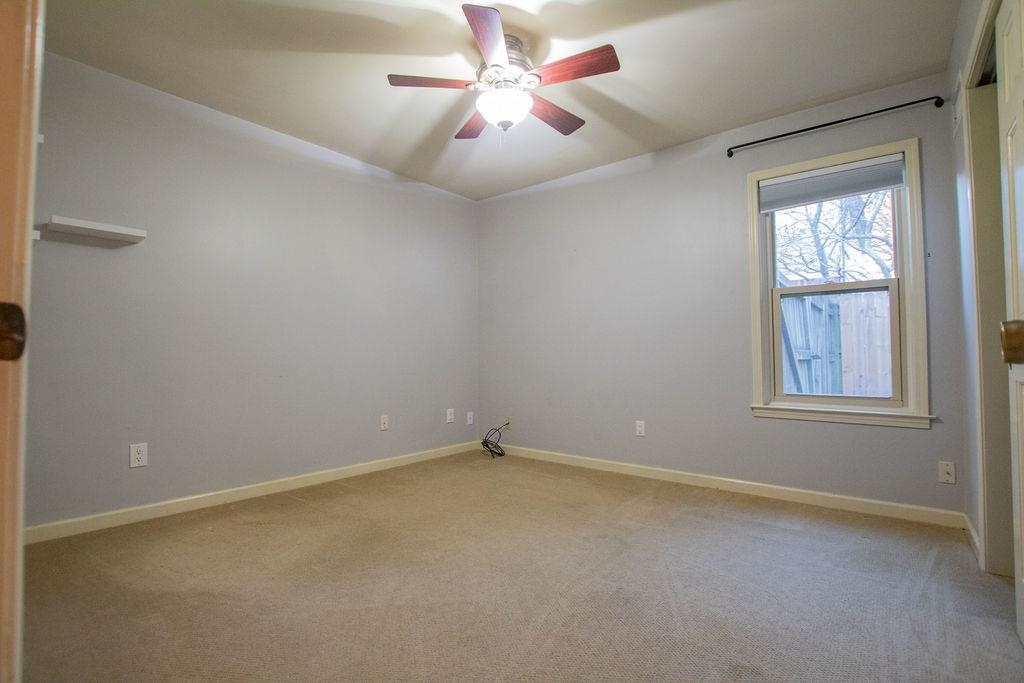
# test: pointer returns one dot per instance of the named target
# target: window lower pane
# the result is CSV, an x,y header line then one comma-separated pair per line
x,y
836,344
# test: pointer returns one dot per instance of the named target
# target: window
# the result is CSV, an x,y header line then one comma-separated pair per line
x,y
837,286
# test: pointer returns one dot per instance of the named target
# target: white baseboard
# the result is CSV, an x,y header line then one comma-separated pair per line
x,y
104,520
915,513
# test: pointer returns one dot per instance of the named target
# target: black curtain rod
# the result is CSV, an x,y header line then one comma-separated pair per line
x,y
937,100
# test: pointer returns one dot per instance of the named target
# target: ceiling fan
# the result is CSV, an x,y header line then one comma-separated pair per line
x,y
506,78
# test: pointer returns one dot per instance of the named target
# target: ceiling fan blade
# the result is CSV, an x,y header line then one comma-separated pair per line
x,y
473,127
427,82
600,60
485,22
550,113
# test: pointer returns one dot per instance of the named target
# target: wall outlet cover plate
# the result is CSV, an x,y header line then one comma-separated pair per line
x,y
138,455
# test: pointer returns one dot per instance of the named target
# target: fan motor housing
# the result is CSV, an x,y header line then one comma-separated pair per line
x,y
516,75
516,54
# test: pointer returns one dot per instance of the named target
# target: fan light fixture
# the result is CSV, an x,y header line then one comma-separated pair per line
x,y
507,78
504,107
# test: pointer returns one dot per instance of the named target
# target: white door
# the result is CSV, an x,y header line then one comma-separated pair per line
x,y
20,50
1010,61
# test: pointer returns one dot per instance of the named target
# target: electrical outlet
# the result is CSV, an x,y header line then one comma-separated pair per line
x,y
138,455
469,417
384,423
947,472
449,415
641,428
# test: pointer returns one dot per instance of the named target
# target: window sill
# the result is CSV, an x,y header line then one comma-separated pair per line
x,y
885,418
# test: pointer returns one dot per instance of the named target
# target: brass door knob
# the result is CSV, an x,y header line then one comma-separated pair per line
x,y
12,331
1011,337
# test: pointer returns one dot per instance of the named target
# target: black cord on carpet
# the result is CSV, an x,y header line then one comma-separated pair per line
x,y
491,439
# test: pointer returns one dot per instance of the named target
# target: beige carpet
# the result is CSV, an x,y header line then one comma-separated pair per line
x,y
469,568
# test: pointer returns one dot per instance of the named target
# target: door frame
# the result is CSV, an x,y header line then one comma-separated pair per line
x,y
992,543
21,40
981,41
979,198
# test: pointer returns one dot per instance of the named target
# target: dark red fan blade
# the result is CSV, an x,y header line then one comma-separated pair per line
x,y
600,60
556,117
485,23
427,82
473,127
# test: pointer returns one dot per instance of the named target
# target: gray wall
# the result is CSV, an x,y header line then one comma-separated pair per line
x,y
285,298
970,473
622,293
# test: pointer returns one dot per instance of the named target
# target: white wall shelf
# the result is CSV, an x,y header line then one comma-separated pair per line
x,y
74,226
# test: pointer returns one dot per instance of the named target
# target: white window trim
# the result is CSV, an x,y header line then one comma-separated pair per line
x,y
912,410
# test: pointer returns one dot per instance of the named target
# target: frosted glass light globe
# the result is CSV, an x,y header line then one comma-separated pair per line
x,y
504,107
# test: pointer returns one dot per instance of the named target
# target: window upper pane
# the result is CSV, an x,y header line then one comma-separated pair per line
x,y
846,239
836,344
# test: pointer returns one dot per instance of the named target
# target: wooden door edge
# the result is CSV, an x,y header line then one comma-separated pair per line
x,y
21,36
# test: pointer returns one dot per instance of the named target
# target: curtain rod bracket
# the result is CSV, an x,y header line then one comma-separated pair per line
x,y
938,101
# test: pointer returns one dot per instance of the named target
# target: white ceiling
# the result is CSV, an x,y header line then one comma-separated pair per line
x,y
316,69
